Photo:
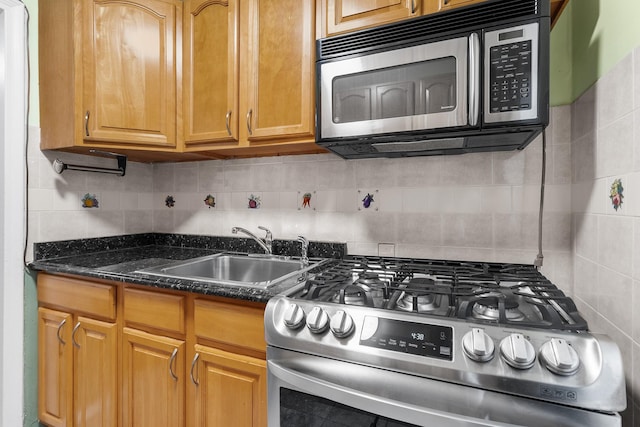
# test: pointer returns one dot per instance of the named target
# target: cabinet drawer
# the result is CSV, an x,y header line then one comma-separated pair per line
x,y
80,296
154,309
230,324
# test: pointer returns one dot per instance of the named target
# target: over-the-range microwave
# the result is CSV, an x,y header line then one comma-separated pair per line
x,y
471,79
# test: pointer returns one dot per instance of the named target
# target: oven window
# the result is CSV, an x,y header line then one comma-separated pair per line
x,y
304,410
417,88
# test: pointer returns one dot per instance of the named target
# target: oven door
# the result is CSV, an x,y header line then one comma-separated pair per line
x,y
306,390
423,87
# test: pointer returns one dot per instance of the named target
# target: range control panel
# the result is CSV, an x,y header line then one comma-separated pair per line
x,y
408,337
511,74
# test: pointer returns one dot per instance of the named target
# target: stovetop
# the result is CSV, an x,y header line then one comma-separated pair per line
x,y
502,327
507,294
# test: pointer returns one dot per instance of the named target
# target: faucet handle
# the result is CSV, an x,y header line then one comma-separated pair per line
x,y
305,246
269,234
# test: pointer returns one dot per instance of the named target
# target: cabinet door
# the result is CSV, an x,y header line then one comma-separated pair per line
x,y
348,15
441,5
55,368
278,69
96,373
211,61
153,383
228,387
129,71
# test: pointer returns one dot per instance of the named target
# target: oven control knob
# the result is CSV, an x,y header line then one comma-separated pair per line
x,y
294,317
341,324
517,351
559,357
478,346
317,320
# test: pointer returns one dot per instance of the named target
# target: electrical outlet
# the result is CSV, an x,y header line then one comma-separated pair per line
x,y
386,249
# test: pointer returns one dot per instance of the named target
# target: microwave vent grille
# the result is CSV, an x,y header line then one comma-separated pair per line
x,y
436,24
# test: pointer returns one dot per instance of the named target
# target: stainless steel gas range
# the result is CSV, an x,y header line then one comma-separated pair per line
x,y
396,342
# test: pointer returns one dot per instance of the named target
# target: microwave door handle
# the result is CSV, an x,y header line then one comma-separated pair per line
x,y
474,79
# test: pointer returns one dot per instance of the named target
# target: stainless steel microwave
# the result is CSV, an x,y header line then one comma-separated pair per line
x,y
471,79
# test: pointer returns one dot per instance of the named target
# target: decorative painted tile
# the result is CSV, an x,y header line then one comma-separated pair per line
x,y
210,201
368,200
90,201
169,202
615,194
305,200
254,202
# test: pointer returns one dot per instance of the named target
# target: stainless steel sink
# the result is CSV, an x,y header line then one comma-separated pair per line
x,y
256,271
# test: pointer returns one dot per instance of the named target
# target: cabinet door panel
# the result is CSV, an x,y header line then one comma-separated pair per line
x,y
231,387
55,368
278,69
129,65
347,15
96,374
211,61
153,386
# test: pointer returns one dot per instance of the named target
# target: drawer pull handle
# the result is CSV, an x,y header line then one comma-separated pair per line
x,y
86,123
73,335
194,364
227,122
249,114
63,342
413,6
171,362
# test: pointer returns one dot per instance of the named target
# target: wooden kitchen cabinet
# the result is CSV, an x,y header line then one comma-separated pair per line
x,y
349,15
340,16
109,77
228,373
153,377
249,77
77,358
211,72
228,386
115,354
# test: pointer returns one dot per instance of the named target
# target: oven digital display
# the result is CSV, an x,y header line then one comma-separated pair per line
x,y
408,337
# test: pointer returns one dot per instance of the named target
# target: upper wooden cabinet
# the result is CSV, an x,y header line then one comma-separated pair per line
x,y
340,16
129,71
249,77
211,72
109,76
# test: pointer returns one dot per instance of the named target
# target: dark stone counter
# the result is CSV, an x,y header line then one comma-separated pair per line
x,y
118,258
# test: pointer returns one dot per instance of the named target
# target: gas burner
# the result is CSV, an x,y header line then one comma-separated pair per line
x,y
356,295
488,308
422,294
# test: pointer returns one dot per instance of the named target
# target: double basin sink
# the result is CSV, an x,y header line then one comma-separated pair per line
x,y
260,271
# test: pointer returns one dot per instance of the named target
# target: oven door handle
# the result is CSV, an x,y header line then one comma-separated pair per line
x,y
474,79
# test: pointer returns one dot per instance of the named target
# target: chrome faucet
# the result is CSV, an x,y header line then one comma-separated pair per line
x,y
305,247
268,240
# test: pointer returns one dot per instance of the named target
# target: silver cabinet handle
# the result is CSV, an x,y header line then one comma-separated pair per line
x,y
64,321
249,114
413,6
446,2
171,363
194,363
73,335
86,123
474,79
228,117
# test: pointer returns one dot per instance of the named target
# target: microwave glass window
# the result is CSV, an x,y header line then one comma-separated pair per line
x,y
418,88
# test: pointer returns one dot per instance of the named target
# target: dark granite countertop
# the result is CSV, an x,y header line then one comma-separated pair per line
x,y
119,258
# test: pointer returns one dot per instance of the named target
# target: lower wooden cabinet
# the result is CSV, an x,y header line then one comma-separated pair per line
x,y
117,355
153,379
228,386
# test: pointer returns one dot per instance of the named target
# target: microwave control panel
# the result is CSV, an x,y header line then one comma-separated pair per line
x,y
511,74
